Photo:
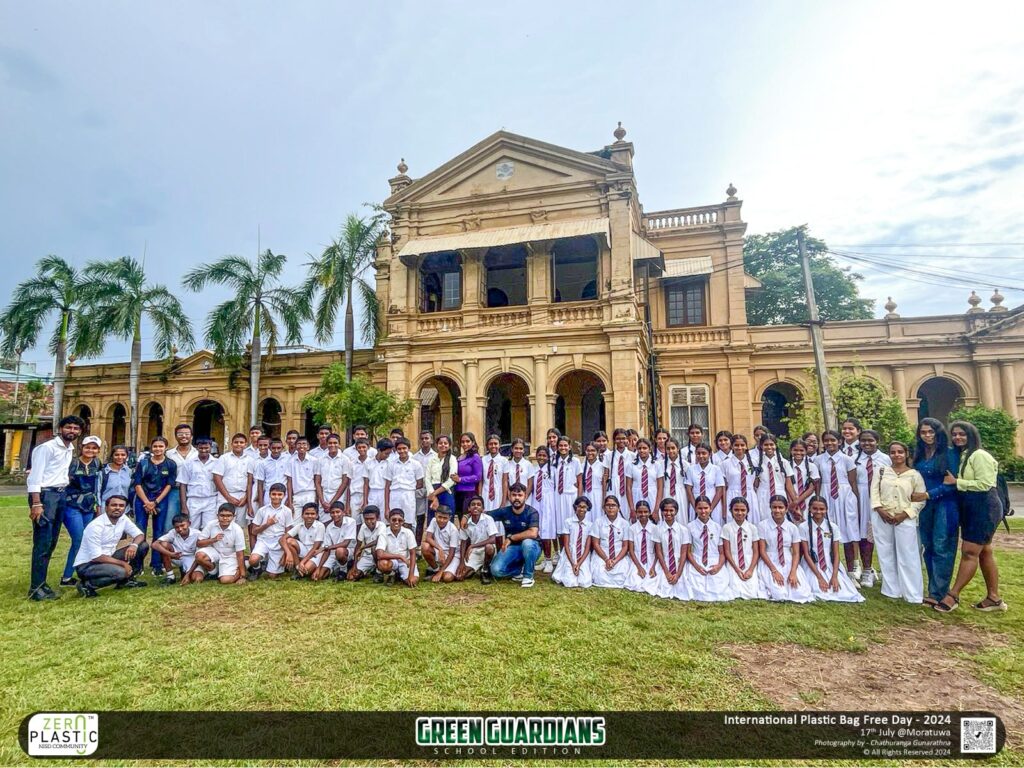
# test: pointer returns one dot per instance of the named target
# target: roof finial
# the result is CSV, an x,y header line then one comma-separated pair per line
x,y
619,133
974,300
997,302
731,192
890,308
402,167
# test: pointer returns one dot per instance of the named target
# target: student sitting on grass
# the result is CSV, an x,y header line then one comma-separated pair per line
x,y
303,541
441,546
574,565
221,549
609,565
365,556
479,538
780,574
706,577
269,525
672,548
178,548
337,544
643,535
100,561
825,574
396,550
740,537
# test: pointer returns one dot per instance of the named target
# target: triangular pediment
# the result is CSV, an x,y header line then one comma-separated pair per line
x,y
502,163
202,360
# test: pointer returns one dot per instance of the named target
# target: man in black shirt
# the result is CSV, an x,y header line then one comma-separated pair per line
x,y
520,549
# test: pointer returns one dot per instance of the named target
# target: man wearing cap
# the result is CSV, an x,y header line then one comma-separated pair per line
x,y
47,486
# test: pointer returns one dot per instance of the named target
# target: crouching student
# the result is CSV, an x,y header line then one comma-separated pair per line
x,y
303,542
367,536
740,538
441,544
177,548
672,548
828,579
573,568
609,537
100,561
221,549
337,544
706,578
779,570
269,524
643,535
478,542
396,550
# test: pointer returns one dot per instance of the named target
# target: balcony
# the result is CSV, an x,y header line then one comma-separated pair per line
x,y
694,337
439,322
504,317
584,312
683,218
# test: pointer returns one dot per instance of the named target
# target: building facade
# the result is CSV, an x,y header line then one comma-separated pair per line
x,y
524,286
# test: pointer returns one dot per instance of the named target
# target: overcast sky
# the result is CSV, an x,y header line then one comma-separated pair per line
x,y
183,127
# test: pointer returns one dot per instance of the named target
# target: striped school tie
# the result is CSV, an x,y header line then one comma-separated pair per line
x,y
579,543
644,484
643,547
704,545
739,550
799,479
517,473
490,480
671,552
849,450
611,541
703,486
588,477
540,485
782,546
622,475
871,470
834,483
672,482
561,477
771,481
743,480
821,551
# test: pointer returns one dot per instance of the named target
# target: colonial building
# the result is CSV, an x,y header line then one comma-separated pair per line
x,y
525,286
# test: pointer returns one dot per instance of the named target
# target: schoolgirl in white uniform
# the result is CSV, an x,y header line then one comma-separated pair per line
x,y
659,446
619,459
868,461
754,448
723,447
774,478
779,571
838,487
695,439
609,564
643,535
703,478
806,480
544,502
573,568
894,525
644,479
492,486
592,480
849,432
673,546
565,480
740,538
518,469
673,472
705,574
740,473
828,580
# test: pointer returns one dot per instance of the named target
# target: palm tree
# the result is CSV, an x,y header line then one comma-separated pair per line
x,y
334,275
120,298
259,306
57,286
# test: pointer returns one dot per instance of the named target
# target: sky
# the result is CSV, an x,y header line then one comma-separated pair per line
x,y
186,131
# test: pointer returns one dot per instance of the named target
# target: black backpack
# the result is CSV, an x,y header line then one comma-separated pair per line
x,y
1003,490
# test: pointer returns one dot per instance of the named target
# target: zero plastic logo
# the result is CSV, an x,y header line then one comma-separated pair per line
x,y
63,734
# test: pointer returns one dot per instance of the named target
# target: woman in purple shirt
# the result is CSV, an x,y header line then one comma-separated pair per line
x,y
471,472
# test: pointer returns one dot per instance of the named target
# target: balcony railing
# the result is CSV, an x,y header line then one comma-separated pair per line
x,y
691,337
434,323
559,314
504,317
682,218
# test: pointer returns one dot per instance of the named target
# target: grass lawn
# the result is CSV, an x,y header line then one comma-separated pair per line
x,y
459,647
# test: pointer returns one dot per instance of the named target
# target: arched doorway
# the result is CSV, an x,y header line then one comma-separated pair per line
x,y
118,424
440,406
270,417
208,421
579,409
84,412
777,403
508,408
154,421
939,396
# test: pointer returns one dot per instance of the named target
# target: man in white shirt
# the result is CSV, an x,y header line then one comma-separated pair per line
x,y
47,484
252,450
301,470
196,487
233,478
402,478
423,456
100,561
179,454
270,471
359,432
396,550
332,477
322,434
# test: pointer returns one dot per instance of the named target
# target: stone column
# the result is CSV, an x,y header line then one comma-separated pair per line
x,y
543,418
538,280
1009,387
986,388
899,384
471,282
472,417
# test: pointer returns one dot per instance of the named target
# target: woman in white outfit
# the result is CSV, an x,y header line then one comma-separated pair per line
x,y
894,525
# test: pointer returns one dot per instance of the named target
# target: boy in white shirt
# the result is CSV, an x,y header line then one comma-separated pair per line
x,y
359,432
233,479
270,524
303,542
337,545
365,556
402,478
396,550
441,547
375,479
197,491
357,488
323,433
269,471
178,547
252,450
301,470
333,471
221,550
478,535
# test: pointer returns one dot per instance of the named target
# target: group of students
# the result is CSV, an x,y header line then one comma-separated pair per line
x,y
686,521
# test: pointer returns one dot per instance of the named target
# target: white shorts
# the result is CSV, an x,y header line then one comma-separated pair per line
x,y
304,550
184,563
202,510
405,501
453,566
376,498
331,563
366,561
399,567
272,555
475,558
222,566
303,497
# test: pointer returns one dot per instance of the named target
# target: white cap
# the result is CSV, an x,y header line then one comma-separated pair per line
x,y
92,440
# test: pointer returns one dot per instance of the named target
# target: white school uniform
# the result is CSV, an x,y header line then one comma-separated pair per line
x,y
234,472
518,472
271,471
316,452
819,539
446,538
353,454
307,536
710,587
774,472
375,474
480,532
643,538
783,562
672,540
639,472
842,506
867,465
251,452
612,535
197,477
563,483
849,449
705,481
335,535
332,471
688,453
301,474
268,543
397,544
224,553
543,500
578,532
404,476
185,546
674,472
421,493
897,546
742,542
719,456
618,470
368,538
805,474
593,475
492,483
356,501
739,481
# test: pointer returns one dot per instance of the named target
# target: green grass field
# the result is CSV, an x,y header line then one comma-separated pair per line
x,y
303,646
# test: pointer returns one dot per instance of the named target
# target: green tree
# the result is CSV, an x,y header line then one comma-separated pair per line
x,y
998,429
341,400
56,287
774,259
258,308
119,299
337,273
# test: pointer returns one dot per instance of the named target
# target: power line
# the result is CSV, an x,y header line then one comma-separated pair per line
x,y
926,245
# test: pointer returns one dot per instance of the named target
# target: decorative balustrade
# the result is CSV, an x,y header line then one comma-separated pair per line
x,y
693,337
682,218
433,323
504,318
559,314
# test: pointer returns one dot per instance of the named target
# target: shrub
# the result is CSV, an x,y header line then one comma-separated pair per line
x,y
998,429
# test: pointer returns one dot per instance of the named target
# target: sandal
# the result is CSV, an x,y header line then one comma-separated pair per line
x,y
945,608
988,604
930,601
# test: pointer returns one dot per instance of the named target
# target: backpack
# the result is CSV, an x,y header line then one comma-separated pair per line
x,y
1003,491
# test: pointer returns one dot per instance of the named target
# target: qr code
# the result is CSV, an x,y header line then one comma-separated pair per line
x,y
978,735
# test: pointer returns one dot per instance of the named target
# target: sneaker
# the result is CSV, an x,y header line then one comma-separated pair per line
x,y
39,594
517,577
69,582
858,571
86,590
378,577
428,572
253,574
168,580
527,583
158,573
548,567
869,578
48,590
133,583
485,577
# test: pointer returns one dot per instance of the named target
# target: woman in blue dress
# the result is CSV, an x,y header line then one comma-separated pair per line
x,y
939,521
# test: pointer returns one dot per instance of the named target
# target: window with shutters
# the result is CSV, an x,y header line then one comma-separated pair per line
x,y
684,303
440,282
688,404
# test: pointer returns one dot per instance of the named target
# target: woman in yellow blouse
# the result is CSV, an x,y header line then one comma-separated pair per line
x,y
894,525
980,513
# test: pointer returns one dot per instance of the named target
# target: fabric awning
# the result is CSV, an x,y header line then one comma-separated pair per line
x,y
488,238
645,252
695,265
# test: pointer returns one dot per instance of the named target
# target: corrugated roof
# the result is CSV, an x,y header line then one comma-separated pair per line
x,y
488,238
695,265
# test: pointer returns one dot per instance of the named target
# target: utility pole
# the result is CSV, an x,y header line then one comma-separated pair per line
x,y
828,410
